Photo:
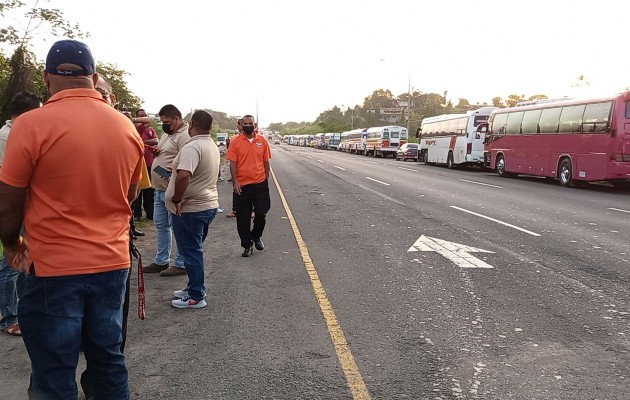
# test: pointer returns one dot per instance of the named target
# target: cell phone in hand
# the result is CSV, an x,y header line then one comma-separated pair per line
x,y
163,172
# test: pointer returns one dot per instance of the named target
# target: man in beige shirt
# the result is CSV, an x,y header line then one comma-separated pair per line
x,y
174,138
193,199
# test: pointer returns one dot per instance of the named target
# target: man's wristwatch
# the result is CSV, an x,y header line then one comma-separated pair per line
x,y
176,201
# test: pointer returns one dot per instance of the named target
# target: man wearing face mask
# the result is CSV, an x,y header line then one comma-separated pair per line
x,y
249,156
174,138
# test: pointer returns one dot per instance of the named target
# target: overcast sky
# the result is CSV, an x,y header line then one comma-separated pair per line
x,y
296,58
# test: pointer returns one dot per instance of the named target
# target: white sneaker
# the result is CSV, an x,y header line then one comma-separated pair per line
x,y
188,302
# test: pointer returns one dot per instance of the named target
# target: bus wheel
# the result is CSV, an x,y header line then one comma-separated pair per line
x,y
501,167
623,184
424,156
565,173
449,161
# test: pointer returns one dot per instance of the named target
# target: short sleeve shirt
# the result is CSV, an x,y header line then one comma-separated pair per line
x,y
250,158
78,157
200,156
169,146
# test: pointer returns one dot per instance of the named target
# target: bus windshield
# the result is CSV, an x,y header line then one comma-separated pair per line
x,y
394,135
385,135
480,119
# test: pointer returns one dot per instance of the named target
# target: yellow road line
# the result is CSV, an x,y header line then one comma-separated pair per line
x,y
349,366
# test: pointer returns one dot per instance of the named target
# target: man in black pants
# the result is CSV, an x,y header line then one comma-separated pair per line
x,y
249,156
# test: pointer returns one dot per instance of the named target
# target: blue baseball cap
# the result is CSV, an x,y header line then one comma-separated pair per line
x,y
70,52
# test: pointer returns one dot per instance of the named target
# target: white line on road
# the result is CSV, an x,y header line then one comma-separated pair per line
x,y
338,167
309,157
376,180
619,209
483,184
372,162
497,221
320,161
408,169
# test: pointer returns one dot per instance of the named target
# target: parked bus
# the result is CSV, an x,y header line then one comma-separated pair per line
x,y
357,141
331,140
453,139
344,141
575,140
384,140
349,140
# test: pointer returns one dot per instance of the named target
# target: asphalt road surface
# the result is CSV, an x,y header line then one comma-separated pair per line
x,y
394,280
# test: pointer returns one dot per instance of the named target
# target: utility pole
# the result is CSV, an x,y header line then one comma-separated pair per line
x,y
352,120
409,103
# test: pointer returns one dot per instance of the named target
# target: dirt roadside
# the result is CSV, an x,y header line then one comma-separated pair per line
x,y
162,321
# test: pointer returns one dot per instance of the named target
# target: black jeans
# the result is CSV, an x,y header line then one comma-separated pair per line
x,y
145,199
253,197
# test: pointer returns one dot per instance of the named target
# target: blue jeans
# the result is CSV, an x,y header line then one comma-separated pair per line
x,y
11,284
163,224
56,313
191,230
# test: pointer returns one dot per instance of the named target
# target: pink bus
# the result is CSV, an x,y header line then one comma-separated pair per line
x,y
574,140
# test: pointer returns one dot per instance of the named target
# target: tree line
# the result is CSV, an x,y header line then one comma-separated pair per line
x,y
382,108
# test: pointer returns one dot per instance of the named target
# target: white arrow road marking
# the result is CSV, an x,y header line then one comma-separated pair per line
x,y
455,252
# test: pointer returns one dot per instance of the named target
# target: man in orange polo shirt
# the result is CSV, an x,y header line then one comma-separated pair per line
x,y
73,190
249,156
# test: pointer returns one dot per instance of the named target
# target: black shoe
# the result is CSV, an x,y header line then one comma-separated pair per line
x,y
260,246
248,251
136,232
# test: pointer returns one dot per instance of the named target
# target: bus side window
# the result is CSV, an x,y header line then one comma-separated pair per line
x,y
596,118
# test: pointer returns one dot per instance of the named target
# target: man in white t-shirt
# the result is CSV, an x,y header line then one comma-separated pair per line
x,y
193,199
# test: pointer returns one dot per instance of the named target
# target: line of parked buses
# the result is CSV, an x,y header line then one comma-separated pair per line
x,y
574,141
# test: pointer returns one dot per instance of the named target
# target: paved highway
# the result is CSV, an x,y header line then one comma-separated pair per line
x,y
538,308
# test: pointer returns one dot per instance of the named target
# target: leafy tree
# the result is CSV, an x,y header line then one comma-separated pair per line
x,y
538,97
221,122
127,101
21,72
463,104
498,102
514,99
37,18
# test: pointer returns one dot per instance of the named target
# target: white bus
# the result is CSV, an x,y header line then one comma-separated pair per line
x,y
384,140
348,141
453,139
